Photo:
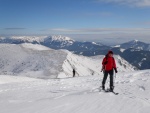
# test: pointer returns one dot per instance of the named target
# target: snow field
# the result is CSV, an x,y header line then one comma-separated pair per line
x,y
77,95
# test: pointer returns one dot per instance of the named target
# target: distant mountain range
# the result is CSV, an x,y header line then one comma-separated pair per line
x,y
60,42
135,44
135,52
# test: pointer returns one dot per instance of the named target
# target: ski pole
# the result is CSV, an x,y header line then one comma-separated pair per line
x,y
114,79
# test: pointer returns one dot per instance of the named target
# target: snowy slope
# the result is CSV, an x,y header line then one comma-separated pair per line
x,y
31,60
5,79
39,61
91,65
77,95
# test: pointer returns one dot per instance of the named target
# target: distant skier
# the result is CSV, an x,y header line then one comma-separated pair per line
x,y
74,72
108,67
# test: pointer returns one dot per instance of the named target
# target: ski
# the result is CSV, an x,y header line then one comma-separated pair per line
x,y
115,93
108,91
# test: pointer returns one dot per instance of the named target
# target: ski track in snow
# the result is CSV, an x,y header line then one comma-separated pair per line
x,y
77,95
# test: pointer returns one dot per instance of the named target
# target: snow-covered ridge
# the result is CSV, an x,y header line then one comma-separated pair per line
x,y
81,66
29,38
34,46
28,59
39,39
61,38
91,65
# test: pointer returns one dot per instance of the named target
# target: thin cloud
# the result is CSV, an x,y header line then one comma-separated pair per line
x,y
136,3
101,14
100,30
14,28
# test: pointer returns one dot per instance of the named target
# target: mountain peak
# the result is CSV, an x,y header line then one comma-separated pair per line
x,y
61,38
135,40
135,44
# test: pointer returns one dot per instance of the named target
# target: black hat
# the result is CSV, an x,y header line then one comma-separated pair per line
x,y
110,52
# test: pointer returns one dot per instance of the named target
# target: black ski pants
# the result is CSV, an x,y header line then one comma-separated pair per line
x,y
111,72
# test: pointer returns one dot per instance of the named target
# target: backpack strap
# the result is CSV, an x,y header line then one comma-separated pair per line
x,y
106,56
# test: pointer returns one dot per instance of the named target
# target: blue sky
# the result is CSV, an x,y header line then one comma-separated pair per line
x,y
102,18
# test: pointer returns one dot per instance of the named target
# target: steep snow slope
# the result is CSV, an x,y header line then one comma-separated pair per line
x,y
77,95
91,65
83,65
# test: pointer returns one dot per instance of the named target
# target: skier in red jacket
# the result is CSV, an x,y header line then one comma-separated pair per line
x,y
108,67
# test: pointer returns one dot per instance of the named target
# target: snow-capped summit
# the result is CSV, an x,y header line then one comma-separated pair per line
x,y
29,39
22,39
57,42
136,44
61,38
131,42
135,40
35,39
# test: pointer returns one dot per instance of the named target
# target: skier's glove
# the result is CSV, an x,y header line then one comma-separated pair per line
x,y
116,70
105,62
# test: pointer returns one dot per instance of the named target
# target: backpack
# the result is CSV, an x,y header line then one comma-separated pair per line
x,y
103,66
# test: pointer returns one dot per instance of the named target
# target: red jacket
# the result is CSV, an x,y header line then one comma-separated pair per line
x,y
108,63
